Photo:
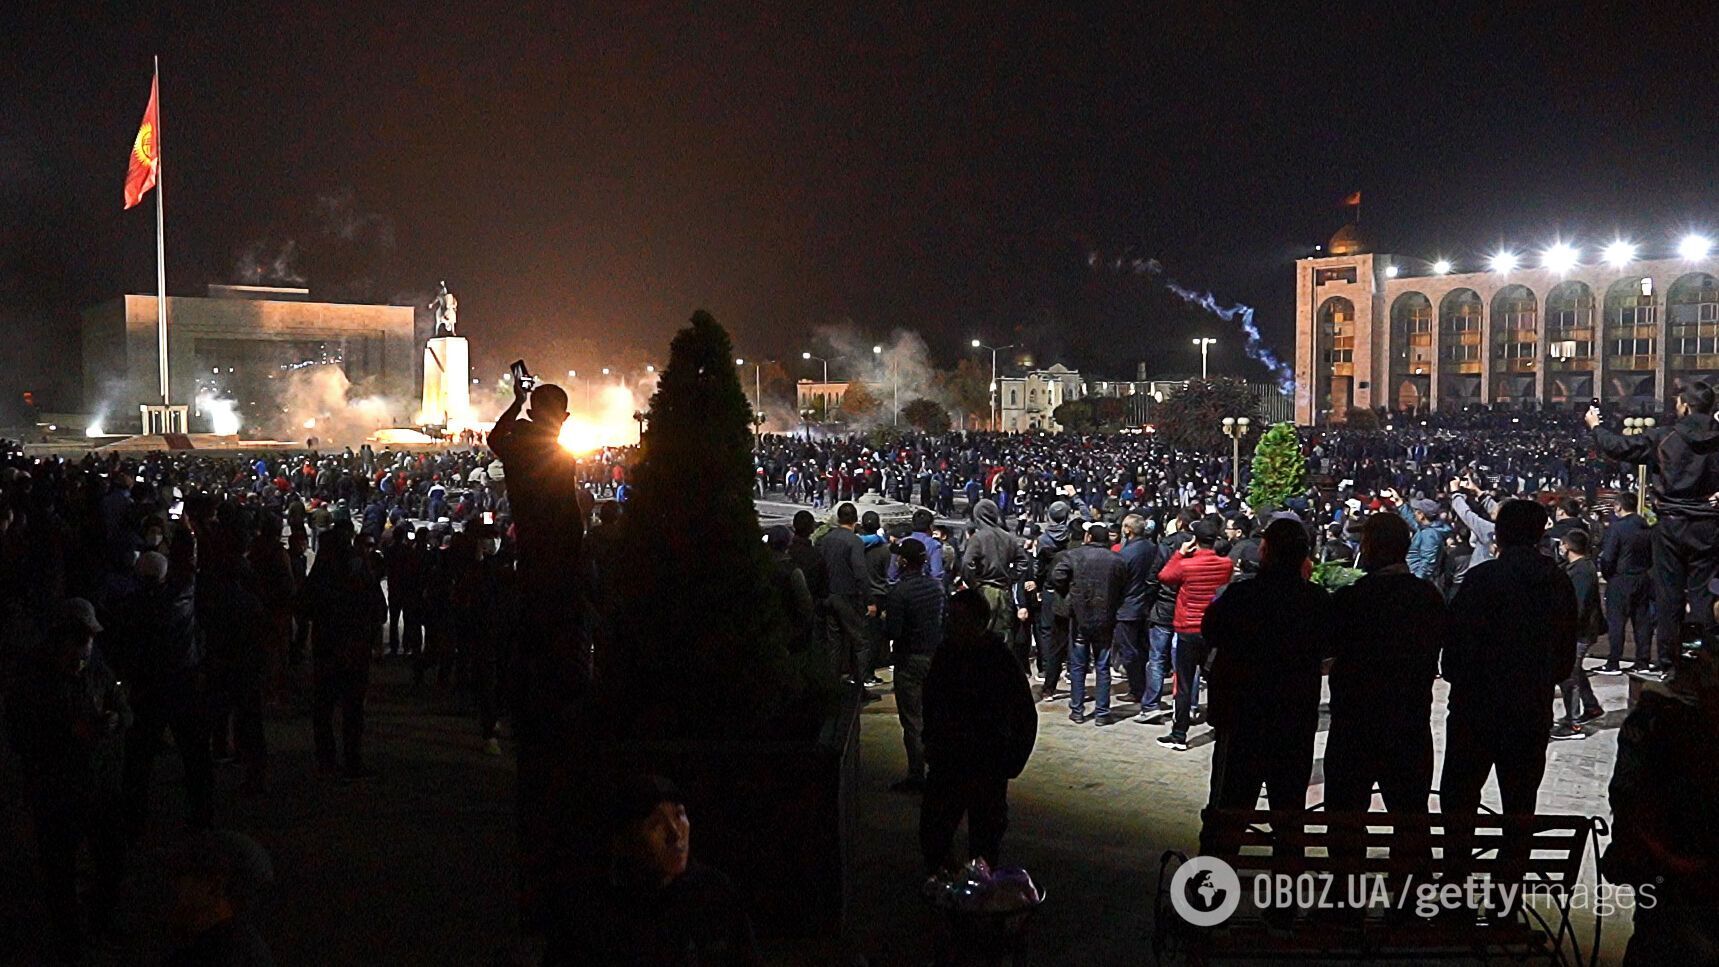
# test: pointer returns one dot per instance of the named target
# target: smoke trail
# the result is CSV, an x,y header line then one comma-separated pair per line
x,y
1254,345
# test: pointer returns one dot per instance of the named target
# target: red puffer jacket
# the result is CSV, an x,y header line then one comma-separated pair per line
x,y
1198,577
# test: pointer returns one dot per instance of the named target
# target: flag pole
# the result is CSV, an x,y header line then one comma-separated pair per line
x,y
160,250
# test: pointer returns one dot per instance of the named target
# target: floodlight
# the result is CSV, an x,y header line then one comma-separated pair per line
x,y
1441,267
1559,258
1619,254
1503,262
1694,247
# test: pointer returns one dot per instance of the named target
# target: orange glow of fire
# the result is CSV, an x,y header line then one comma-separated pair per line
x,y
606,421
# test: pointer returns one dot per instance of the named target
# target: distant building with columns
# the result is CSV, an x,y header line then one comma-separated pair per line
x,y
1376,330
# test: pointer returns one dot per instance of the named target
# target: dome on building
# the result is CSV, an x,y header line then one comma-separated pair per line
x,y
1348,241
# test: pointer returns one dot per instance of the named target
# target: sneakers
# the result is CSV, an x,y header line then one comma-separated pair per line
x,y
1564,731
492,747
1149,714
1609,668
1077,718
1174,743
1591,715
1105,719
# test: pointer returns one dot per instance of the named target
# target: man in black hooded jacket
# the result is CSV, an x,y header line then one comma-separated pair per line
x,y
989,563
1054,629
1684,460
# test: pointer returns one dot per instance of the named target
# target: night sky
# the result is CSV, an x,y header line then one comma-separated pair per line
x,y
585,178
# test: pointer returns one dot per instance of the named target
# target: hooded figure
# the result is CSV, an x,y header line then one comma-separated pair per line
x,y
990,562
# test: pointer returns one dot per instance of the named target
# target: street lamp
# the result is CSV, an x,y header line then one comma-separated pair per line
x,y
757,380
996,397
1235,428
1205,344
1636,426
895,376
809,356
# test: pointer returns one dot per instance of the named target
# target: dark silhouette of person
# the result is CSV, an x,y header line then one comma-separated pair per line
x,y
980,727
1510,641
1684,461
1388,628
553,654
1268,637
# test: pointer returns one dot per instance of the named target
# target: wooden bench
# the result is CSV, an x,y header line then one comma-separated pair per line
x,y
1377,853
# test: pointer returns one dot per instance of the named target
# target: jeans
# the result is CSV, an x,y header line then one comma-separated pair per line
x,y
1133,657
1091,649
1158,639
1189,652
1578,681
1629,598
910,674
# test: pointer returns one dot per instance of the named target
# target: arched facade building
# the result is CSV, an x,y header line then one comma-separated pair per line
x,y
1375,330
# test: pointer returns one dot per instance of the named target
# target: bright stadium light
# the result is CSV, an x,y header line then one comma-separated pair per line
x,y
1441,267
1391,271
1619,254
1559,258
1503,262
1694,247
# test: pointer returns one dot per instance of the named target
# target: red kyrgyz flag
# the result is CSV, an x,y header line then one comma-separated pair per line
x,y
145,151
1353,201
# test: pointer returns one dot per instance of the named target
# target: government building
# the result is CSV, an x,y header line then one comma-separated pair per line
x,y
238,343
1554,327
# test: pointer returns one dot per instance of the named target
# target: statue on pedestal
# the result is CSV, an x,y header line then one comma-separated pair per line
x,y
446,308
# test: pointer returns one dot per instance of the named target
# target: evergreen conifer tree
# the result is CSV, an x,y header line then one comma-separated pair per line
x,y
1279,468
695,600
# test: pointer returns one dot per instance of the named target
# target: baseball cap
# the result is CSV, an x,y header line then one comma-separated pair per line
x,y
1425,506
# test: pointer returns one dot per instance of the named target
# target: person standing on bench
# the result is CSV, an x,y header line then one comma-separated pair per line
x,y
1387,630
1268,638
1510,639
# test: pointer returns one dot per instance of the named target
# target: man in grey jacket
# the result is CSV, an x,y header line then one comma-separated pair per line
x,y
849,584
1482,534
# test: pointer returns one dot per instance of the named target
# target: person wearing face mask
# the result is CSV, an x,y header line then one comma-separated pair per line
x,y
66,717
657,906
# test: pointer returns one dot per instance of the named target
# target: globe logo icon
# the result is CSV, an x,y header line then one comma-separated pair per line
x,y
1205,891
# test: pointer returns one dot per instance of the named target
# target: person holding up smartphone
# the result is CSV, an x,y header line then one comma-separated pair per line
x,y
1683,468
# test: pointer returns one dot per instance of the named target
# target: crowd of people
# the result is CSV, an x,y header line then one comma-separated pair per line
x,y
1116,563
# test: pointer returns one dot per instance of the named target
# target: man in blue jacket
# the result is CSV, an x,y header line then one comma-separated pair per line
x,y
1427,546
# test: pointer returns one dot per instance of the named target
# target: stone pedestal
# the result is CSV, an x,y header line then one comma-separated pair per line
x,y
447,381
